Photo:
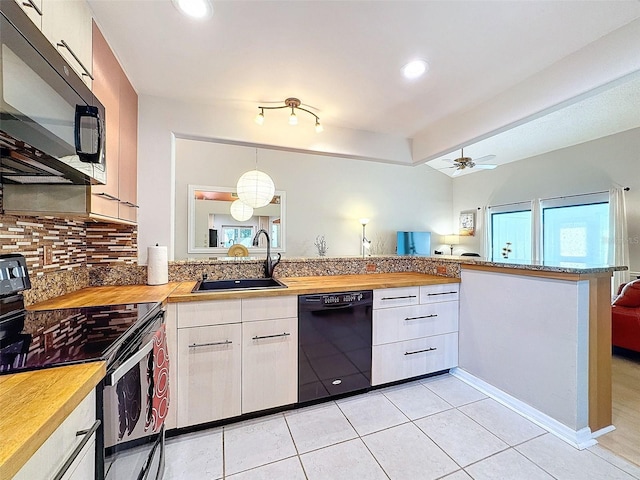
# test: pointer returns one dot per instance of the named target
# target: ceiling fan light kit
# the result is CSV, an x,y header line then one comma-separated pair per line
x,y
461,163
294,104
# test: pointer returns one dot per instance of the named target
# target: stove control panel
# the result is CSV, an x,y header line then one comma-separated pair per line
x,y
14,276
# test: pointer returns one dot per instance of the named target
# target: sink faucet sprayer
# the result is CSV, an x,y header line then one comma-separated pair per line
x,y
269,263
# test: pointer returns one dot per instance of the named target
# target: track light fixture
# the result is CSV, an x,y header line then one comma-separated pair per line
x,y
293,104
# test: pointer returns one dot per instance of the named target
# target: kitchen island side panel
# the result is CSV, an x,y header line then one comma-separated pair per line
x,y
528,336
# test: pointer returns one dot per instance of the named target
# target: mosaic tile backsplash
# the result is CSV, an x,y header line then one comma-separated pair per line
x,y
86,253
76,246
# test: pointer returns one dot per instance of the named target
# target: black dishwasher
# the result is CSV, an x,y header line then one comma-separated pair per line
x,y
334,344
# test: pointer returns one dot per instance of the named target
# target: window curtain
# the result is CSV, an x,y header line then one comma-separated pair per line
x,y
484,227
618,236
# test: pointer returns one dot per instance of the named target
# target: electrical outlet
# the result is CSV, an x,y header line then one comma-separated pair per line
x,y
441,270
47,255
371,267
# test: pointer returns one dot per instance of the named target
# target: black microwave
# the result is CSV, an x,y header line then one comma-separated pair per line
x,y
51,124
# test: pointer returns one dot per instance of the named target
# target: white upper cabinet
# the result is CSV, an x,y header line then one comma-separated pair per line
x,y
33,9
67,25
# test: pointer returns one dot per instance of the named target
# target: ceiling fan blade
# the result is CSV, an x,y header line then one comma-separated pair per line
x,y
486,166
448,160
457,172
486,158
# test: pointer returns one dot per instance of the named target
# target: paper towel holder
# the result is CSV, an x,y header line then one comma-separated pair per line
x,y
157,265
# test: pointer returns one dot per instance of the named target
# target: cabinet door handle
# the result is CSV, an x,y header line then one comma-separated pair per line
x,y
441,293
260,337
399,298
423,316
421,351
108,196
30,4
196,345
75,57
76,451
129,204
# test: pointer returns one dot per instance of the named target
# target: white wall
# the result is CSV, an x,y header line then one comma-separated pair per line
x,y
536,351
324,195
589,167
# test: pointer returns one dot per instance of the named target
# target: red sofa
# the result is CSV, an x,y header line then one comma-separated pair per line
x,y
625,317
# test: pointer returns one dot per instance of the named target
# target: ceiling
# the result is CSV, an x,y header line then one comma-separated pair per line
x,y
343,60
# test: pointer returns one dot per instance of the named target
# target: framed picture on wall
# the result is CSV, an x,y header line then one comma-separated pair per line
x,y
467,223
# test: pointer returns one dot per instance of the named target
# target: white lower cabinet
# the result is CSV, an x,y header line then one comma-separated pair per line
x,y
49,459
415,331
411,358
209,373
269,363
234,357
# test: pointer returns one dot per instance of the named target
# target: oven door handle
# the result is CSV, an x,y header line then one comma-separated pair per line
x,y
119,372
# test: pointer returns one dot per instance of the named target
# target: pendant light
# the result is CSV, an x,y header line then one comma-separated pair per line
x,y
241,211
255,188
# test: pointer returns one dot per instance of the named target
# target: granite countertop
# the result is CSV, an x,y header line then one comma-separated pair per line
x,y
315,284
459,259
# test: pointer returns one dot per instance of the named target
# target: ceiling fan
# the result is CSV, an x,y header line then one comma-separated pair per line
x,y
463,163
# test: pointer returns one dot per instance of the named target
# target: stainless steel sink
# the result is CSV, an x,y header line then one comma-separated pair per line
x,y
237,284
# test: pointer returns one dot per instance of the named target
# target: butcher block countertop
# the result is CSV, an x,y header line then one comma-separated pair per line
x,y
109,295
317,284
34,404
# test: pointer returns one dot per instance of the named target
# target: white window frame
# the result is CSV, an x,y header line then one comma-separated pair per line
x,y
567,201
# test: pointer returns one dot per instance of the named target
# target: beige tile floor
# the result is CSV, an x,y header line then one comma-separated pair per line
x,y
436,428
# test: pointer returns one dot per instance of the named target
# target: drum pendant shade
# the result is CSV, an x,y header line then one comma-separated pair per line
x,y
255,188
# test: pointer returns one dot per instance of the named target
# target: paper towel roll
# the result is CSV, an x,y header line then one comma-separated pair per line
x,y
157,265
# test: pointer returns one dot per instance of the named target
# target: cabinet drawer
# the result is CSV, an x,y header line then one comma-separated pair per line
x,y
269,364
400,360
406,323
48,459
395,297
266,308
444,292
209,373
196,314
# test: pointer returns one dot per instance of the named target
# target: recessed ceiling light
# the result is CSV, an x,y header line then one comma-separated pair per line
x,y
415,69
194,8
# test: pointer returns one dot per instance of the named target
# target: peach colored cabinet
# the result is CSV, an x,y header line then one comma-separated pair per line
x,y
117,200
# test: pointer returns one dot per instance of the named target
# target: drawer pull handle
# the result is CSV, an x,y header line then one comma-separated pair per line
x,y
399,298
129,204
260,337
441,293
196,345
423,316
420,351
76,451
30,4
75,57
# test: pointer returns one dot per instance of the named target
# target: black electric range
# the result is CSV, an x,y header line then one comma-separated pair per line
x,y
48,338
131,401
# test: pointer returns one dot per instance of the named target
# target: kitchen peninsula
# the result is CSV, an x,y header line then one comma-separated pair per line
x,y
537,338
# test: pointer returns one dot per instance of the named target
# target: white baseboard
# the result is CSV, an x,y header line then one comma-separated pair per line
x,y
579,439
602,431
